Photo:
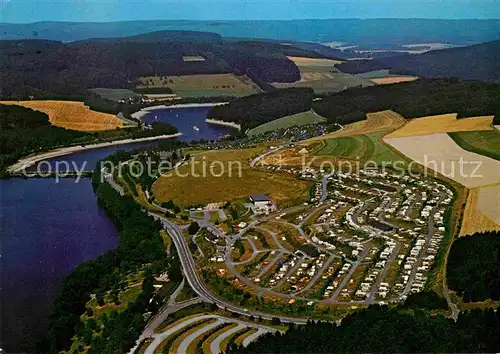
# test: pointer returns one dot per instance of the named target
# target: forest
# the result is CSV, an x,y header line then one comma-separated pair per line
x,y
380,329
139,243
476,62
260,108
41,68
419,98
474,267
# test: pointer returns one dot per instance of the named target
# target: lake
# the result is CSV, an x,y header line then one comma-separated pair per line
x,y
184,119
49,228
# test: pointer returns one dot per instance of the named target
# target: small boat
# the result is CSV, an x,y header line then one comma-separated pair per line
x,y
196,128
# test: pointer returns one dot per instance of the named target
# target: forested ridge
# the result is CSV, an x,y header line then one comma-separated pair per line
x,y
43,68
473,267
420,98
476,62
260,108
140,243
413,99
387,330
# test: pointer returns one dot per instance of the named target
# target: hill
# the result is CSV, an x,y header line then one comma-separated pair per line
x,y
476,62
374,33
45,68
419,98
254,110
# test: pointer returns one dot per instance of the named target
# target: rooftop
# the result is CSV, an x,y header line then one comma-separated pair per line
x,y
259,198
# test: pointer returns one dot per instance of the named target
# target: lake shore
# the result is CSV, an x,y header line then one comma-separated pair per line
x,y
31,160
221,122
146,110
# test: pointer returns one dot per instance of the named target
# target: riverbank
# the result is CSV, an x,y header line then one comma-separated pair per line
x,y
146,110
31,160
221,122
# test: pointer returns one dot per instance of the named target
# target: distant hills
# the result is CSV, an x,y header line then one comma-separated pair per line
x,y
55,69
45,68
477,62
374,33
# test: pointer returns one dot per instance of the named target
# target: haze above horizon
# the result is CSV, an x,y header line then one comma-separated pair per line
x,y
28,11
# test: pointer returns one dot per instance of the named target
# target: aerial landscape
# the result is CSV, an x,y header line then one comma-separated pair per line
x,y
249,177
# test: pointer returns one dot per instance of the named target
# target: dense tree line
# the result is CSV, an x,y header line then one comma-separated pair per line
x,y
387,330
473,267
24,131
477,62
413,99
139,243
260,108
42,68
496,119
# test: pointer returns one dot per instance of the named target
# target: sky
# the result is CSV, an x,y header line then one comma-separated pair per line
x,y
26,11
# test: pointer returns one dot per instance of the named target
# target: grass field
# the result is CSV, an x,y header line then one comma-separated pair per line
x,y
486,143
445,123
482,211
114,94
303,118
364,147
440,153
203,85
72,115
322,76
238,181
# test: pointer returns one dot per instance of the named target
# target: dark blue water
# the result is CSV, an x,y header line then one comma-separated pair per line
x,y
47,229
184,119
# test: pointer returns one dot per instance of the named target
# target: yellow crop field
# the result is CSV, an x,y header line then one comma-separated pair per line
x,y
202,85
72,115
225,175
482,211
440,153
321,75
385,120
394,79
445,123
303,61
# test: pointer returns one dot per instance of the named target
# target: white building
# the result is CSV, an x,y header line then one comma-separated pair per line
x,y
262,203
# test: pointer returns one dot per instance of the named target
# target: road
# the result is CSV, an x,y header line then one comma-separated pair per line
x,y
260,157
160,337
430,233
198,285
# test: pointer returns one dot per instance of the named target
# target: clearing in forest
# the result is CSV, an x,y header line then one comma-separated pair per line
x,y
394,79
444,123
203,85
482,211
322,76
72,115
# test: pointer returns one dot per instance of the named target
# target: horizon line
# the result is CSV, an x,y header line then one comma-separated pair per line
x,y
257,20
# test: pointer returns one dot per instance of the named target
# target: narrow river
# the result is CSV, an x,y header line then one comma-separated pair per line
x,y
48,228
